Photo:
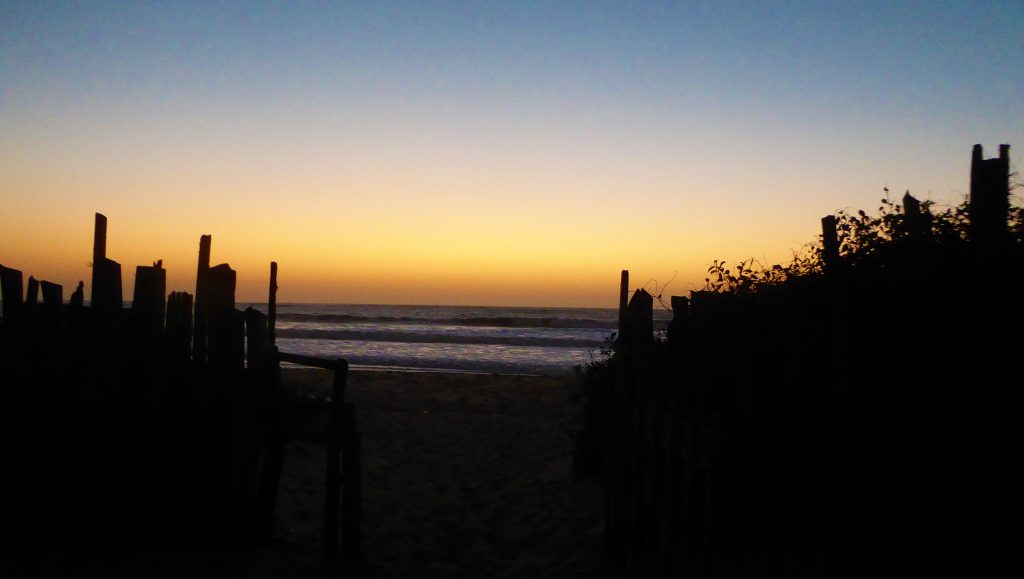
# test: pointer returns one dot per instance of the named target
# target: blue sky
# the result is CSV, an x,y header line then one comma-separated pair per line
x,y
731,126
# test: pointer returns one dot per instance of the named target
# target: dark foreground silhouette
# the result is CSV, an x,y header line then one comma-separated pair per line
x,y
859,417
856,417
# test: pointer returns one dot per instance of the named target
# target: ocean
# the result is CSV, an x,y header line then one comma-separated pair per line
x,y
505,340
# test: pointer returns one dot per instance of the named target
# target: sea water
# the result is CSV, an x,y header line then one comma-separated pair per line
x,y
507,340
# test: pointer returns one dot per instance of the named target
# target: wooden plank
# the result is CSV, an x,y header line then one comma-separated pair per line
x,y
255,337
106,274
11,288
989,202
53,294
311,361
640,318
149,302
272,306
199,328
106,288
99,238
179,326
99,254
352,485
914,220
224,331
623,299
333,475
32,294
273,451
829,241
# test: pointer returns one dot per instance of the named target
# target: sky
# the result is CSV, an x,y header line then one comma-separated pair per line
x,y
500,153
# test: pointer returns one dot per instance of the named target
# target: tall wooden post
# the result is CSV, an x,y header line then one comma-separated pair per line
x,y
914,218
179,327
273,456
989,203
11,288
53,294
199,327
676,328
623,300
99,239
224,337
32,295
334,434
149,303
829,241
272,306
352,485
106,273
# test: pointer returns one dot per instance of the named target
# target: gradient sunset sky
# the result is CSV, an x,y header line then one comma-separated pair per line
x,y
493,153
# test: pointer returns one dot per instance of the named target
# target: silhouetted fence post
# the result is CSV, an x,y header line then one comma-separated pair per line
x,y
840,392
272,306
178,338
106,274
199,328
273,447
32,293
989,202
333,477
915,221
148,306
224,331
352,485
623,300
256,331
614,508
53,294
638,358
11,288
829,242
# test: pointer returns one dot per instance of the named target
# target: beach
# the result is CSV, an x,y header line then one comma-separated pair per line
x,y
464,475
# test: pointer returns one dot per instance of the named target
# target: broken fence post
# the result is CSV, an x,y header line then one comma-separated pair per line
x,y
199,328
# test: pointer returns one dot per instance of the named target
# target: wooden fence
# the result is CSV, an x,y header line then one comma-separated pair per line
x,y
852,413
163,421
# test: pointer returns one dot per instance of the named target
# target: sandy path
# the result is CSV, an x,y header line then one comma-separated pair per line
x,y
464,476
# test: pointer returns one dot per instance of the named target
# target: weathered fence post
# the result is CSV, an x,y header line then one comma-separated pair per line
x,y
199,328
274,447
224,345
272,306
840,392
352,485
148,305
989,202
11,288
639,340
623,299
53,294
829,241
915,221
334,434
256,331
106,273
179,327
32,294
614,508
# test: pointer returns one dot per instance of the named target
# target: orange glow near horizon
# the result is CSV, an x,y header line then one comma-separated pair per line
x,y
491,154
